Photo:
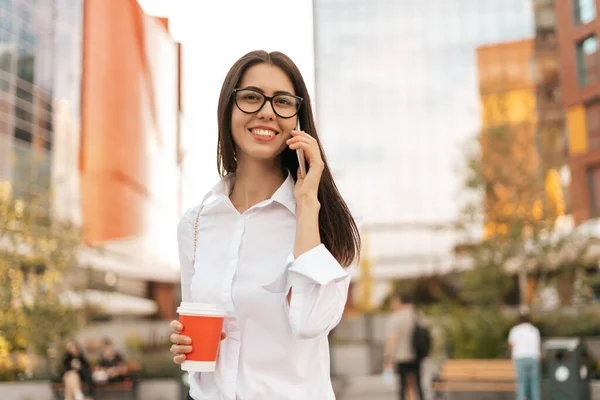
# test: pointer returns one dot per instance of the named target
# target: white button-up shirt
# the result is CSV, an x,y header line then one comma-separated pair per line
x,y
244,262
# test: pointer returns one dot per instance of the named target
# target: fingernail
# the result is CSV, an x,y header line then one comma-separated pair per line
x,y
188,341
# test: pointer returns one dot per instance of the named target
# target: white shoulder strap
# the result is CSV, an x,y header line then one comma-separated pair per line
x,y
196,225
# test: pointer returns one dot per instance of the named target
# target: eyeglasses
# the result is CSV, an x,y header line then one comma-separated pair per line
x,y
251,101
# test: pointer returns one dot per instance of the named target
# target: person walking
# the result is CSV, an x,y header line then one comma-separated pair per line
x,y
525,345
400,348
268,243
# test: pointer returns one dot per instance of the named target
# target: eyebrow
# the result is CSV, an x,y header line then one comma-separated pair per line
x,y
279,92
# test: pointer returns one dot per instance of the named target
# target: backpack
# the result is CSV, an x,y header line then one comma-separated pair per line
x,y
421,340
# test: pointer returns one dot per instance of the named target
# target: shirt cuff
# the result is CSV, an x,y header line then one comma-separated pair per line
x,y
317,265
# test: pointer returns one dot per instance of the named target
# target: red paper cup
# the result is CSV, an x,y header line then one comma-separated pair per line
x,y
204,324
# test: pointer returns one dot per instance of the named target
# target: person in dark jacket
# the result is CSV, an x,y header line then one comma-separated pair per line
x,y
76,374
111,362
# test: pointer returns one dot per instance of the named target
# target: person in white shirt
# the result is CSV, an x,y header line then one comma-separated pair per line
x,y
271,245
525,345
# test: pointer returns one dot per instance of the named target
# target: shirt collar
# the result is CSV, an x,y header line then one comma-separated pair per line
x,y
284,195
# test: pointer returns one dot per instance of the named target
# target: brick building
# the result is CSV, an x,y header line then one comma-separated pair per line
x,y
578,32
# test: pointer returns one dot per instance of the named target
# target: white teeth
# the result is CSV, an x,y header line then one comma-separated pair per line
x,y
263,132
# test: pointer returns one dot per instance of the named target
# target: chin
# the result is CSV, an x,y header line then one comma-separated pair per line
x,y
263,155
264,152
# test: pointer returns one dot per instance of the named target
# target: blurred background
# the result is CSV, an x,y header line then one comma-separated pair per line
x,y
467,133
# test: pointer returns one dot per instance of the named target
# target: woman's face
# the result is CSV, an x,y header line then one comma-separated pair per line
x,y
262,135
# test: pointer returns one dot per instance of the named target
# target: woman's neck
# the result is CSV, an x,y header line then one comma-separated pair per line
x,y
255,181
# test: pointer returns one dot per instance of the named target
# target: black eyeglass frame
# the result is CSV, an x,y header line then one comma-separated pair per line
x,y
266,98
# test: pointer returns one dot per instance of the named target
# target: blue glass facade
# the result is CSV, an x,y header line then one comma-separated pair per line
x,y
40,63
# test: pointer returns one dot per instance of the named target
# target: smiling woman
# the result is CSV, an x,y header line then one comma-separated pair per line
x,y
268,245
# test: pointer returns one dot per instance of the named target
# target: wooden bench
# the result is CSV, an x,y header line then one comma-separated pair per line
x,y
108,390
475,376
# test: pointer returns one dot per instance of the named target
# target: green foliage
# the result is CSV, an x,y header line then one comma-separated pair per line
x,y
569,322
509,216
473,332
482,332
159,365
485,285
37,253
424,290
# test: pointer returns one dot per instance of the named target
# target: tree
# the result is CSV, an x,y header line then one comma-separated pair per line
x,y
37,254
519,205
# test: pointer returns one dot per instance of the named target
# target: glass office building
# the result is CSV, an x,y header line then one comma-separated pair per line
x,y
397,100
40,76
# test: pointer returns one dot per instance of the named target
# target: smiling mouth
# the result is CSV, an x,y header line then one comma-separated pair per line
x,y
263,133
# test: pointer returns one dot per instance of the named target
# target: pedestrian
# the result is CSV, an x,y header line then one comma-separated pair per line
x,y
76,373
111,362
525,345
400,350
267,243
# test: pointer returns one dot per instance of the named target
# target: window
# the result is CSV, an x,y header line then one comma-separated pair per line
x,y
584,11
25,68
592,114
593,180
23,114
6,60
587,61
23,135
24,94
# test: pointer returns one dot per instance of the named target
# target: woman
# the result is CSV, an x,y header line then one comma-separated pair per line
x,y
76,372
267,244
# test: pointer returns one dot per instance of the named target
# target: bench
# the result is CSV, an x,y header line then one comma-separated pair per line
x,y
109,390
462,377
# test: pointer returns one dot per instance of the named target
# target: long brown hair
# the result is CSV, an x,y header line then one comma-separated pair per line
x,y
338,230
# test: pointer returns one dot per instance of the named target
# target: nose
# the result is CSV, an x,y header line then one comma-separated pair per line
x,y
266,112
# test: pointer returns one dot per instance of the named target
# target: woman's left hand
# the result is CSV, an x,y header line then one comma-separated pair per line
x,y
307,187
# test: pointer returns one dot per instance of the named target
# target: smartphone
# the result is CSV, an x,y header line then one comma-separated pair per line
x,y
300,154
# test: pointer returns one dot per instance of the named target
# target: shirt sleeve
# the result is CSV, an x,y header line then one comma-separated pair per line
x,y
319,287
185,239
511,336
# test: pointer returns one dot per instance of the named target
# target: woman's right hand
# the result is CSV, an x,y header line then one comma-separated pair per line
x,y
182,344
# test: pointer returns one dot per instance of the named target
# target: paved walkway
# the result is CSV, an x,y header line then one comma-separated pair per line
x,y
374,387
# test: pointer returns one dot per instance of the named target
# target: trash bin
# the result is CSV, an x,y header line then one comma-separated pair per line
x,y
568,377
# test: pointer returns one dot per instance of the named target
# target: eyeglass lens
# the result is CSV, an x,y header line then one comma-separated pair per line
x,y
250,101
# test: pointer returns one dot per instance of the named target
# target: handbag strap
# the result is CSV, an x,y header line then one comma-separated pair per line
x,y
196,226
196,235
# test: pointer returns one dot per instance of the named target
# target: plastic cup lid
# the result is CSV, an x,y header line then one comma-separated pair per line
x,y
201,309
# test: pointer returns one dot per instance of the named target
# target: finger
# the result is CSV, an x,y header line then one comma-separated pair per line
x,y
223,335
302,145
178,359
176,326
312,154
301,139
179,349
180,339
302,134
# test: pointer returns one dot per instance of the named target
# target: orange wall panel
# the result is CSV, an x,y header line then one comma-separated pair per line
x,y
116,120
